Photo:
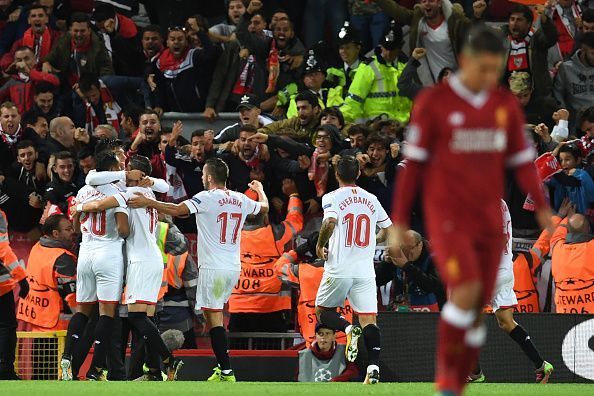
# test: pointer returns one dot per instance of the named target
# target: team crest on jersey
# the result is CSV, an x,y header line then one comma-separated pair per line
x,y
456,118
453,268
501,117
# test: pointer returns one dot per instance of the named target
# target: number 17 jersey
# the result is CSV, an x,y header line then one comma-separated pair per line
x,y
352,245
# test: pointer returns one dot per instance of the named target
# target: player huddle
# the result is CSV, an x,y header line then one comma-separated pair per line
x,y
119,204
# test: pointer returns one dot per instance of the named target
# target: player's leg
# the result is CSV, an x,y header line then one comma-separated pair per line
x,y
505,319
213,291
363,298
102,342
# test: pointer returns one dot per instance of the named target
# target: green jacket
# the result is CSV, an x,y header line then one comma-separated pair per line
x,y
292,128
337,77
286,99
458,23
374,91
98,60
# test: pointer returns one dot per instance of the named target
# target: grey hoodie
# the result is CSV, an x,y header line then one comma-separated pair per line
x,y
574,85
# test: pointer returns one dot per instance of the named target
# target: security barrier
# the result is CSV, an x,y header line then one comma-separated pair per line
x,y
38,353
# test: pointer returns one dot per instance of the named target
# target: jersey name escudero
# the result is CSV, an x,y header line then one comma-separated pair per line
x,y
351,248
100,226
220,215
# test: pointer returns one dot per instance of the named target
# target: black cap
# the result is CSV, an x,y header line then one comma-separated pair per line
x,y
349,34
393,38
248,101
320,326
313,63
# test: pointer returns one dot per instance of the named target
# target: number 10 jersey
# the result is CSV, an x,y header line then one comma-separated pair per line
x,y
352,244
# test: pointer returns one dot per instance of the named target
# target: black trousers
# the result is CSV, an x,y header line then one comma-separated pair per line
x,y
8,326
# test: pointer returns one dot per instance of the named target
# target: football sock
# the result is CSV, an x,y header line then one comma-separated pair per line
x,y
474,339
76,328
522,338
150,333
153,360
218,340
371,335
334,321
102,341
451,348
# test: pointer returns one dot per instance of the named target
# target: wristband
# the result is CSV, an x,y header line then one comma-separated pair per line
x,y
79,207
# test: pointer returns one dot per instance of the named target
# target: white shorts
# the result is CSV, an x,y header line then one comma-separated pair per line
x,y
143,281
504,295
214,288
361,292
100,273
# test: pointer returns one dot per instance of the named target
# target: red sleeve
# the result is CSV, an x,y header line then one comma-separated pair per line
x,y
38,76
8,57
417,151
350,372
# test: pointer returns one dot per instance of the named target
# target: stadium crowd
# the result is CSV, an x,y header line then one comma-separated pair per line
x,y
310,82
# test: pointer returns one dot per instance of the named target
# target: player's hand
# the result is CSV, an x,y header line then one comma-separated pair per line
x,y
145,182
419,53
138,201
322,253
72,209
259,138
256,186
544,219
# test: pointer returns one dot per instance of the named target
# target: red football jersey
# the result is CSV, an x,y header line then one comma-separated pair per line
x,y
464,142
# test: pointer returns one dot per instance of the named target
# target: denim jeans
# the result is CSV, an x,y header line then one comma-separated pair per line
x,y
319,14
371,28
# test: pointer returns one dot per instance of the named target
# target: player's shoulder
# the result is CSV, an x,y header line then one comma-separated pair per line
x,y
437,91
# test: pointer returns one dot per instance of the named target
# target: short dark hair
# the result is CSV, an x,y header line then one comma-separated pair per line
x,y
103,12
309,97
587,39
23,48
37,6
482,39
52,223
378,138
218,169
87,81
524,10
84,152
31,118
347,169
151,28
248,128
63,155
571,149
107,145
586,114
198,133
23,144
588,15
148,112
141,163
44,87
333,111
357,129
106,160
133,112
80,17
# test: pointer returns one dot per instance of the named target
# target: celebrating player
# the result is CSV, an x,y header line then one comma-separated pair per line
x,y
100,270
220,214
144,268
503,303
458,150
350,218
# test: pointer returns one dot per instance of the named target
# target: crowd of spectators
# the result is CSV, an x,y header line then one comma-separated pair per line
x,y
310,81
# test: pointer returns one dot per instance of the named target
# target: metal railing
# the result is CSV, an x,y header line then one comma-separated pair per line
x,y
260,341
193,121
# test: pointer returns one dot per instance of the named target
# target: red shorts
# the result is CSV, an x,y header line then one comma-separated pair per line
x,y
463,257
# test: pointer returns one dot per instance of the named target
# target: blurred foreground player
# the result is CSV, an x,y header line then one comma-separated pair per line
x,y
459,150
503,303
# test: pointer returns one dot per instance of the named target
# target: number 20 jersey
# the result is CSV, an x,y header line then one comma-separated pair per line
x,y
100,227
352,244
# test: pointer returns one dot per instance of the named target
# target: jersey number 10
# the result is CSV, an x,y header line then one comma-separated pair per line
x,y
223,219
357,230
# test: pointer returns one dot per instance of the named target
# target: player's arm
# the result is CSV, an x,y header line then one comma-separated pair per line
x,y
262,199
122,224
95,178
326,231
98,206
140,201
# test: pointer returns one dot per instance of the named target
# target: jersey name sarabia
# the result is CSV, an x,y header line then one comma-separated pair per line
x,y
507,261
352,244
142,241
100,226
220,215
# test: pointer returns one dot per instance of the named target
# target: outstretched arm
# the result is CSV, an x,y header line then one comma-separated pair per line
x,y
140,201
98,206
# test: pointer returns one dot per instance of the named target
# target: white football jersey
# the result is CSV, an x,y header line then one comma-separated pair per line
x,y
351,248
507,258
100,227
220,215
142,241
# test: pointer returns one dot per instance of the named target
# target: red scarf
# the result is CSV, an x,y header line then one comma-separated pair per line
x,y
273,68
518,53
565,41
126,27
168,62
44,44
318,173
245,81
111,108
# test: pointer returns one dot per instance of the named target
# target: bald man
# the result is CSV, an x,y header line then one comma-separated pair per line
x,y
63,135
578,224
